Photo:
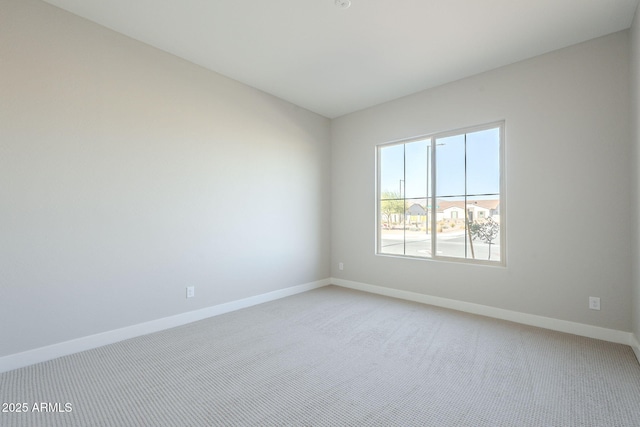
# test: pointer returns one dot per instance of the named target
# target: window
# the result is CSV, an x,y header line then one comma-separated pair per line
x,y
441,196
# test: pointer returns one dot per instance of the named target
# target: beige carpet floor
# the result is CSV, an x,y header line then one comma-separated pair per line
x,y
333,357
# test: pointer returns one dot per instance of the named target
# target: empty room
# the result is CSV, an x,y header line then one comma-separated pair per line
x,y
319,212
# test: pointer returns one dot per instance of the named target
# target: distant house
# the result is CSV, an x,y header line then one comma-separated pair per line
x,y
455,210
416,215
416,210
485,209
477,209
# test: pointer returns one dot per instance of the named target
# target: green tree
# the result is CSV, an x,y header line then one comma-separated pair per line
x,y
486,231
391,203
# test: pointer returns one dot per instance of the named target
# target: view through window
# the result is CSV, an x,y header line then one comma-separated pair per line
x,y
440,196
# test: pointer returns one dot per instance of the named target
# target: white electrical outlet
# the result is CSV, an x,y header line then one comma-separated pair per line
x,y
191,291
594,303
340,266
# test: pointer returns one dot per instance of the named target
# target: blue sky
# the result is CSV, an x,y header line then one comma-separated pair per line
x,y
482,165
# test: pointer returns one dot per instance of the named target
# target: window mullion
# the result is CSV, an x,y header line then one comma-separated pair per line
x,y
403,196
466,210
432,172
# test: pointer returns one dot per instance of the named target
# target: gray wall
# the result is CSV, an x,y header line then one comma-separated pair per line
x,y
635,135
128,174
568,168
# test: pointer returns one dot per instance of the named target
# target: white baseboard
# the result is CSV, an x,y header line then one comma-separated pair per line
x,y
42,354
635,345
611,335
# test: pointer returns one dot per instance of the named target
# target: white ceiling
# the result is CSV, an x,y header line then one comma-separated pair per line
x,y
335,61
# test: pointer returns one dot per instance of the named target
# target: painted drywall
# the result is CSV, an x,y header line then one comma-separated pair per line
x,y
128,174
635,134
568,171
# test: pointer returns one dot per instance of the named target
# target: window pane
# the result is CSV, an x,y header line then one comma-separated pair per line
x,y
392,217
450,174
484,223
416,169
483,162
391,235
417,237
392,172
450,227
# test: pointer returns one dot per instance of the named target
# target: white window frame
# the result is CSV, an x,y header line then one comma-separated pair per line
x,y
431,200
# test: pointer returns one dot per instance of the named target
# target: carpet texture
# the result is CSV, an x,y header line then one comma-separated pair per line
x,y
333,357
